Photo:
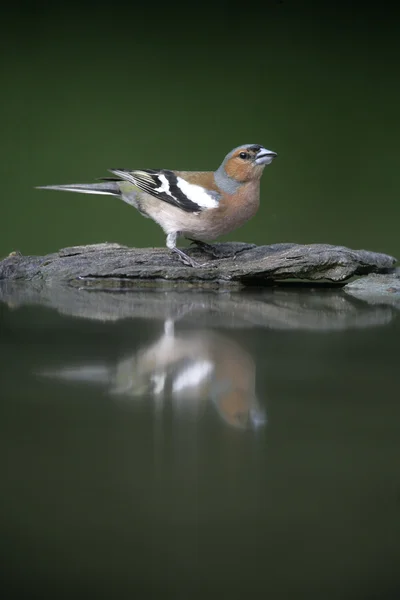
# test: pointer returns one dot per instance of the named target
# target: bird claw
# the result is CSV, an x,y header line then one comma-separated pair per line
x,y
187,260
192,263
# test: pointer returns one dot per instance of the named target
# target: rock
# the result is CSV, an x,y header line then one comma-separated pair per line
x,y
377,289
115,266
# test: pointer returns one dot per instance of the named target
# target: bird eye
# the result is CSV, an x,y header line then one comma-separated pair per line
x,y
243,155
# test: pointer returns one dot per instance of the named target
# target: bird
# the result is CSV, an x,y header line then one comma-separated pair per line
x,y
182,370
199,205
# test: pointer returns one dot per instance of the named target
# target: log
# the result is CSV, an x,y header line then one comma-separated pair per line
x,y
233,264
377,289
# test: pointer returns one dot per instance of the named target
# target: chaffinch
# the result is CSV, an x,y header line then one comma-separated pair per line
x,y
185,368
200,205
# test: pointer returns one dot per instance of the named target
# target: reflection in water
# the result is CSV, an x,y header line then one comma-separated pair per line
x,y
137,459
188,369
316,309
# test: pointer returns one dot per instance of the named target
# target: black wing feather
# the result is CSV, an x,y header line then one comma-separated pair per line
x,y
149,181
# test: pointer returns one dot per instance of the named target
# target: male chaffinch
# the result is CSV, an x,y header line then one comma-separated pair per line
x,y
200,205
187,368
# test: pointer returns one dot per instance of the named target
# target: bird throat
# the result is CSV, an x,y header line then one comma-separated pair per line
x,y
225,183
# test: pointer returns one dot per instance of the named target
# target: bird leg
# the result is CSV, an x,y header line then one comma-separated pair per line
x,y
171,244
185,258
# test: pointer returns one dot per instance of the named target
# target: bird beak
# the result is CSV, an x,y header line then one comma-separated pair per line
x,y
265,157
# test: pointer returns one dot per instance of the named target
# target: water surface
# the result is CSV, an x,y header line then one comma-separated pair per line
x,y
199,444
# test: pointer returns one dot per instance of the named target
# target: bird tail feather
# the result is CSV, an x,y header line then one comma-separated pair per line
x,y
109,188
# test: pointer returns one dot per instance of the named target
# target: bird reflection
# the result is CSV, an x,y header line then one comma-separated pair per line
x,y
188,370
191,368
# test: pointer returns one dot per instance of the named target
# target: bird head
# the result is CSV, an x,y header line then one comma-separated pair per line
x,y
247,162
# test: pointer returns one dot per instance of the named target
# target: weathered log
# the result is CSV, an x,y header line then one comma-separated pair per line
x,y
115,266
377,289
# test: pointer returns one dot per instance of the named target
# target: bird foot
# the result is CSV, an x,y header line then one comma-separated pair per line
x,y
187,260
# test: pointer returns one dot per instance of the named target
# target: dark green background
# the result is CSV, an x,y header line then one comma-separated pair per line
x,y
88,87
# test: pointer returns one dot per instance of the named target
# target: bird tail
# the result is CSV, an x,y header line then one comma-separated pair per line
x,y
109,188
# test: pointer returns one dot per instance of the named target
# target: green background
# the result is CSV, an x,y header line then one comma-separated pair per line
x,y
91,87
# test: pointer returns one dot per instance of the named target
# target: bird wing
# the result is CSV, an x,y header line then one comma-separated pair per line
x,y
170,187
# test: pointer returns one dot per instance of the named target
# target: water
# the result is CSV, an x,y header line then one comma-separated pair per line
x,y
193,444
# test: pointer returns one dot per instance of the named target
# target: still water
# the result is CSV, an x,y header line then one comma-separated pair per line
x,y
191,444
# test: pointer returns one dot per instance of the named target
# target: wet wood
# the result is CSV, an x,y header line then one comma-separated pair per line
x,y
234,264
